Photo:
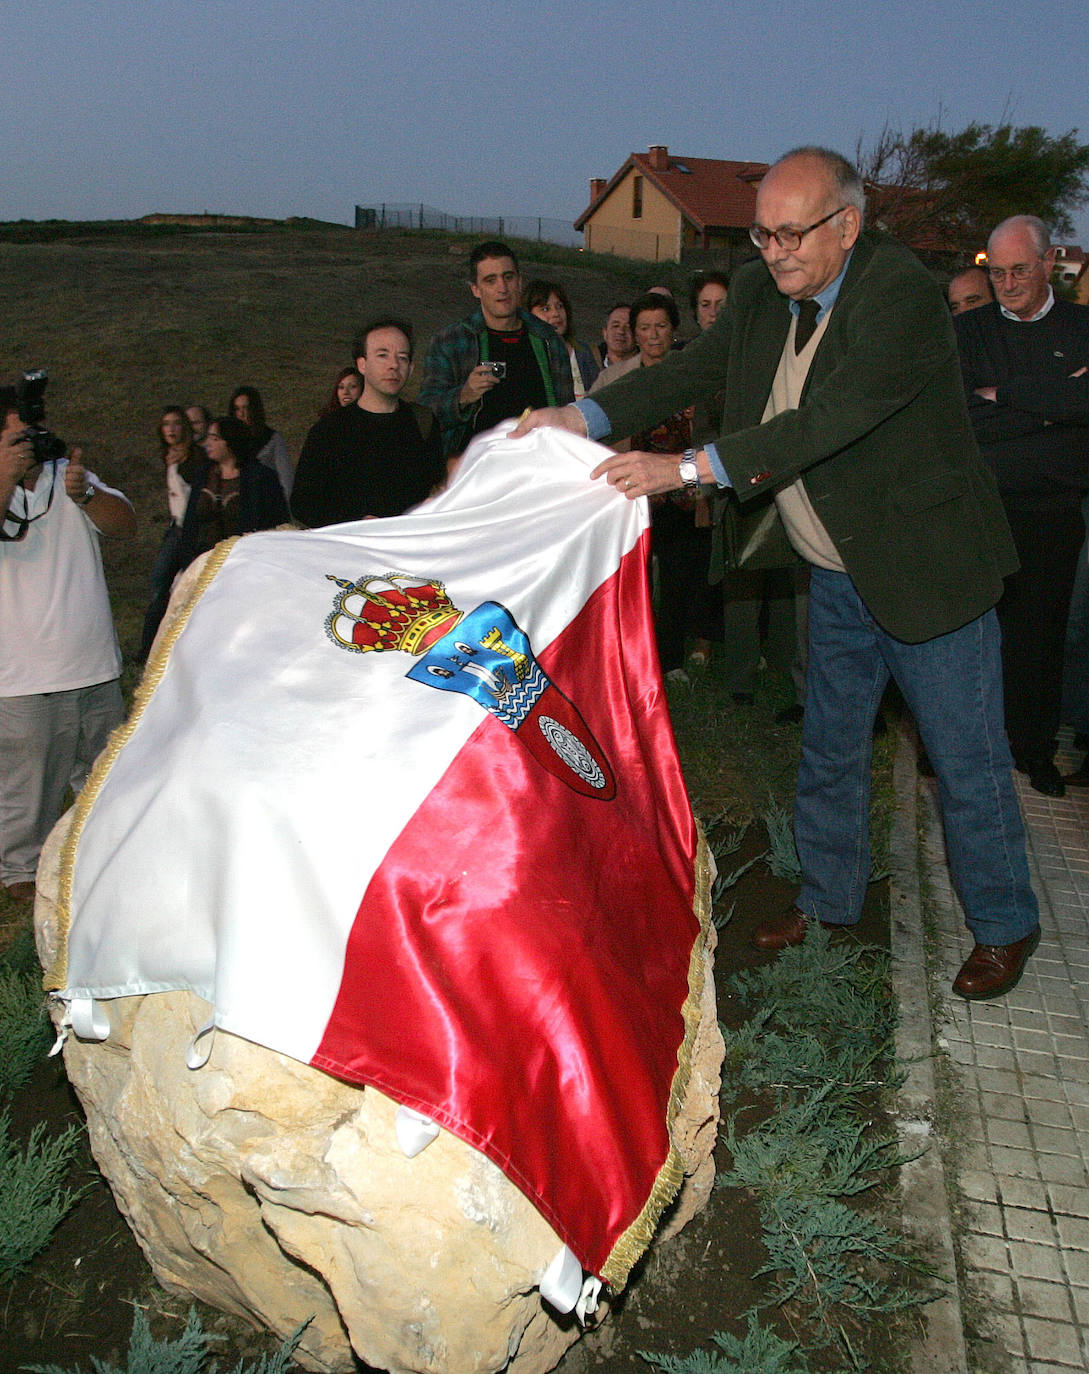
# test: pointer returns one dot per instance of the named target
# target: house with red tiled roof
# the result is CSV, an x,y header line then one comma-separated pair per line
x,y
1069,261
666,208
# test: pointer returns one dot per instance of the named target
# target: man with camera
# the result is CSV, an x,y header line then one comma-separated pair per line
x,y
60,663
497,361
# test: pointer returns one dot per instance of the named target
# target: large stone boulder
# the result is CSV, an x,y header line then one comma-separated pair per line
x,y
273,1191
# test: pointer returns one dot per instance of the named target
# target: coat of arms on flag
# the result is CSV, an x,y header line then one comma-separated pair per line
x,y
484,655
400,799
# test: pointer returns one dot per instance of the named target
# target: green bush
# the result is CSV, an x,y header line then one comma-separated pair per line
x,y
24,1027
21,956
759,1351
187,1354
32,1201
821,1041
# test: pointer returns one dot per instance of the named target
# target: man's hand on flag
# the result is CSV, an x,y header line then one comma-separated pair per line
x,y
641,474
552,417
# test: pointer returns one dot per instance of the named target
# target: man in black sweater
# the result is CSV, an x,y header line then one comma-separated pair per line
x,y
379,456
1025,360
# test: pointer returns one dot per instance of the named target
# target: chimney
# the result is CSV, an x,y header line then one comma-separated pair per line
x,y
658,157
597,185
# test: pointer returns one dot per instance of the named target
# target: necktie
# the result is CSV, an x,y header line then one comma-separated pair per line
x,y
805,325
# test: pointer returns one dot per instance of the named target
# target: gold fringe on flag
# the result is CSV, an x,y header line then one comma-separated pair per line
x,y
56,975
631,1245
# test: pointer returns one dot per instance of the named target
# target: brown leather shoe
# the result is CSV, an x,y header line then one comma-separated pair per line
x,y
788,928
991,970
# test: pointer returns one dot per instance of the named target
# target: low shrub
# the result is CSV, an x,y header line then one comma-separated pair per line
x,y
32,1201
185,1354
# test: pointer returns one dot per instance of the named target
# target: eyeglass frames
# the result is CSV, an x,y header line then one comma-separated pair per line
x,y
790,239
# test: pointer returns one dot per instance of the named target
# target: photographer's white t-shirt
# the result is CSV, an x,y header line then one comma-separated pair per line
x,y
56,629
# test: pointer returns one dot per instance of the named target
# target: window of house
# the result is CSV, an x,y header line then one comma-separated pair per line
x,y
637,197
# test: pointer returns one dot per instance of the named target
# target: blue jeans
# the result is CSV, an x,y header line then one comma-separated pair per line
x,y
953,686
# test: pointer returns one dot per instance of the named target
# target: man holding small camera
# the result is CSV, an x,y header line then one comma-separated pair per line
x,y
60,663
497,361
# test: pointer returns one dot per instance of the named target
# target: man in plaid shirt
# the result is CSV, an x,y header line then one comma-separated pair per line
x,y
497,361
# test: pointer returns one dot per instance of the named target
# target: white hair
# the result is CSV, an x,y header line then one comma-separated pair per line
x,y
1035,227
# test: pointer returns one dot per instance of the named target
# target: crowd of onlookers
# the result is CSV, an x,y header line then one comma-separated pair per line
x,y
370,453
224,475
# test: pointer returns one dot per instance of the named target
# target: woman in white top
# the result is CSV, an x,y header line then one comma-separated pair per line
x,y
181,457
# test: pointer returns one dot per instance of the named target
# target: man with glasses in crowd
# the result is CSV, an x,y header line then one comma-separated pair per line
x,y
1025,359
59,660
843,396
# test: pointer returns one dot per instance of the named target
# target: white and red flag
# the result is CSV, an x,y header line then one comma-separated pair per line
x,y
404,804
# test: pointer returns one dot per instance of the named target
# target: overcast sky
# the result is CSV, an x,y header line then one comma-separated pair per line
x,y
115,109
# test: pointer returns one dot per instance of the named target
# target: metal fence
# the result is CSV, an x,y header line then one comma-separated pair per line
x,y
418,216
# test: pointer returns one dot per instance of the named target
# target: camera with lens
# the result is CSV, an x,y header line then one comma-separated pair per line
x,y
497,369
30,392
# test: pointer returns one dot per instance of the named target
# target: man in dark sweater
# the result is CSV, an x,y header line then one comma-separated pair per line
x,y
379,456
1025,359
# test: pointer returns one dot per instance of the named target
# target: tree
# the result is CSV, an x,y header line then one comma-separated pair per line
x,y
945,192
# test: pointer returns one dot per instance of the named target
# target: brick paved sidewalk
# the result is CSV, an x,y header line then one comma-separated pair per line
x,y
1017,1135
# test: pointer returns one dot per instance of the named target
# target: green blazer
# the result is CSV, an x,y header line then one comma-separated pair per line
x,y
881,436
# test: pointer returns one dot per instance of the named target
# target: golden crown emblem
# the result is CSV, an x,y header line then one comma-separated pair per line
x,y
395,611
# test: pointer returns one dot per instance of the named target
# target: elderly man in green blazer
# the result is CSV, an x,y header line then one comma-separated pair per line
x,y
843,396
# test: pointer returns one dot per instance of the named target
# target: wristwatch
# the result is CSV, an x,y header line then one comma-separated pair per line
x,y
689,472
91,489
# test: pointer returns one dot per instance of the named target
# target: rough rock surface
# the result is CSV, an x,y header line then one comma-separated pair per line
x,y
271,1190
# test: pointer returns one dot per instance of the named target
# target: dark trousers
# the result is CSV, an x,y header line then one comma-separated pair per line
x,y
1033,613
166,567
766,616
686,604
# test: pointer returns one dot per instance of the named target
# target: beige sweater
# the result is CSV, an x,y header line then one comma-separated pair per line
x,y
804,530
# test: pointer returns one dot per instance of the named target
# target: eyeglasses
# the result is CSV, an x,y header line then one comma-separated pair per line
x,y
790,239
1021,271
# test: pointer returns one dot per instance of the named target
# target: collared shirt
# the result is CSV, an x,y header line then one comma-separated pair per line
x,y
597,423
826,299
1033,318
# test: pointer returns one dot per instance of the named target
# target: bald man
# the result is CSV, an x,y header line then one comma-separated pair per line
x,y
837,360
1025,359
